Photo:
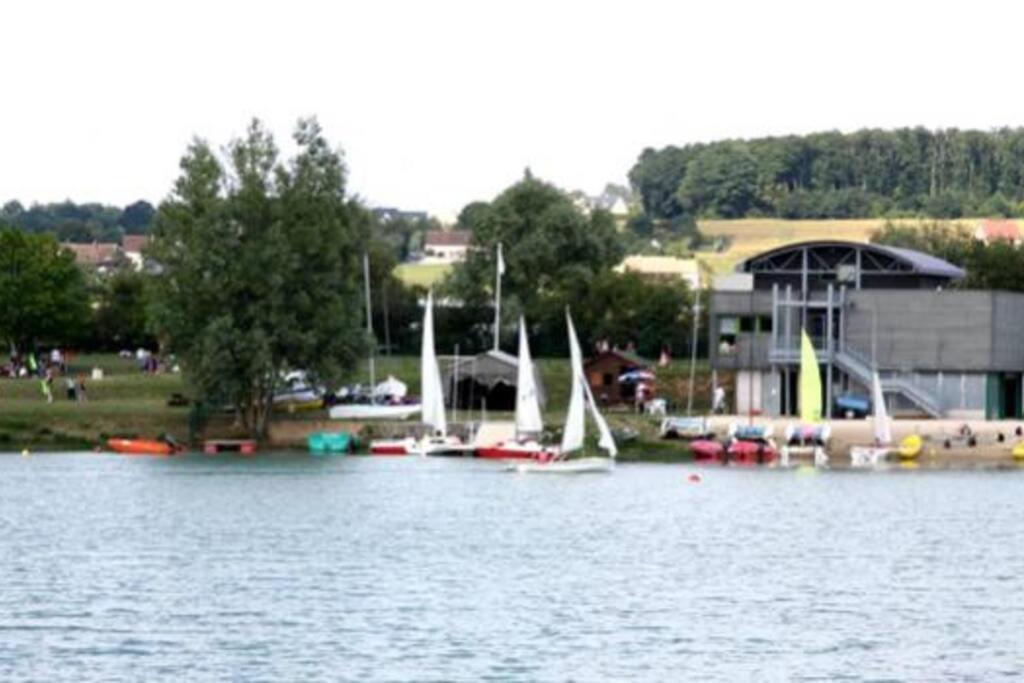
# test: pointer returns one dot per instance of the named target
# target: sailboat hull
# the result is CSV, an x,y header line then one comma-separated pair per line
x,y
366,411
576,466
868,456
530,450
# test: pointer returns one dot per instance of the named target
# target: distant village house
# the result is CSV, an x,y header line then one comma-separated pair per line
x,y
663,268
995,230
445,246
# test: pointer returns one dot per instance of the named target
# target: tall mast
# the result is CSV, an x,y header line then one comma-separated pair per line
x,y
369,326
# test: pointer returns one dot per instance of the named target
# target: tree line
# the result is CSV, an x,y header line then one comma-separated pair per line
x,y
82,223
904,172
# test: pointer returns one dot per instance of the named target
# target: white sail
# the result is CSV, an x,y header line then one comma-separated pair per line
x,y
574,430
883,434
527,405
605,439
431,392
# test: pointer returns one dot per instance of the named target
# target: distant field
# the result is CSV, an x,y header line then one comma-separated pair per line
x,y
420,274
751,236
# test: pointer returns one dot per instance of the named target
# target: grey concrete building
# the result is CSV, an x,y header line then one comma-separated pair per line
x,y
938,350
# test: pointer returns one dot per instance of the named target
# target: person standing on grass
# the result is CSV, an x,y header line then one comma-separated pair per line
x,y
81,387
47,385
69,385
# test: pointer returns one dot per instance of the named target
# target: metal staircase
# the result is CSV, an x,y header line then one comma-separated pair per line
x,y
857,367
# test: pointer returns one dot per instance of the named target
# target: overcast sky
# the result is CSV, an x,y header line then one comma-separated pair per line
x,y
439,103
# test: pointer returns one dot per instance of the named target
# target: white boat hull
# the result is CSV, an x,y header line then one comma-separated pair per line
x,y
868,456
363,411
575,466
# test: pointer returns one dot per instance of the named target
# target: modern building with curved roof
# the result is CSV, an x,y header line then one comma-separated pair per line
x,y
939,349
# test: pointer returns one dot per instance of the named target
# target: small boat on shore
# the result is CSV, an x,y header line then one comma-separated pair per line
x,y
876,453
142,447
707,450
528,419
327,443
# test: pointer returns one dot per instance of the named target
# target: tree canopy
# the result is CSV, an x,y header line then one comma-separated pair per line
x,y
556,255
261,267
545,238
88,222
42,292
998,265
904,172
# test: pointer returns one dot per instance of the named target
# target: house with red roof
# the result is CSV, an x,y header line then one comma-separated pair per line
x,y
992,230
102,256
445,246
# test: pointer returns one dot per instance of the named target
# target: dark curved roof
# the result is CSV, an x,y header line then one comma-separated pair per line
x,y
916,262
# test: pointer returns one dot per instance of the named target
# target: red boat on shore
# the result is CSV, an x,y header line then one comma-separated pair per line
x,y
705,450
141,447
759,452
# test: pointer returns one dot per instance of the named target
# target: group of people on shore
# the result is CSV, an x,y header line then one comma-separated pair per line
x,y
48,369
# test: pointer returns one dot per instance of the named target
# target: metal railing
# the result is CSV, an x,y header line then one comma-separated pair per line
x,y
858,366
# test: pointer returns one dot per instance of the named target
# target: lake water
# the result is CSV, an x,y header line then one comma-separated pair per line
x,y
290,568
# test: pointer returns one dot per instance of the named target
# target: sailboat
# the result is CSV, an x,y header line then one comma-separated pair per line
x,y
437,442
528,419
811,433
370,409
580,401
870,456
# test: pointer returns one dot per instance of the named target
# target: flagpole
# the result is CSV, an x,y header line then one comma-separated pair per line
x,y
499,266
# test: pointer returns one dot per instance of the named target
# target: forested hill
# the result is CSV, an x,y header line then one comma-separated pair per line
x,y
72,222
909,171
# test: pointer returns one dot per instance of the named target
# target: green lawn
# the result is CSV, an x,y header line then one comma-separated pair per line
x,y
422,274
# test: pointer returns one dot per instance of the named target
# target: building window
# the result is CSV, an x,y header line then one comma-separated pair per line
x,y
764,323
607,379
747,324
728,325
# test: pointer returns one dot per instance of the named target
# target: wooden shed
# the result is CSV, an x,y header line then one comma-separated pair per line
x,y
603,372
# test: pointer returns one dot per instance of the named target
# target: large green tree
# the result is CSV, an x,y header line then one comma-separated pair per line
x,y
545,239
261,268
43,295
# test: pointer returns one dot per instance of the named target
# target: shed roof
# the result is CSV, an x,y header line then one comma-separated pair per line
x,y
627,357
490,368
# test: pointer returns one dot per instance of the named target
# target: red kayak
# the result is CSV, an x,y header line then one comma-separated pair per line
x,y
393,447
752,452
140,447
707,449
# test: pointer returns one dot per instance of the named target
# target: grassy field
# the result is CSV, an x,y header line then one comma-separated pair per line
x,y
422,274
125,402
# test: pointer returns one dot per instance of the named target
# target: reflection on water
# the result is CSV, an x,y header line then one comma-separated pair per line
x,y
294,568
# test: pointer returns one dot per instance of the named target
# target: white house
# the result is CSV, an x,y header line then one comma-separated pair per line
x,y
663,267
445,246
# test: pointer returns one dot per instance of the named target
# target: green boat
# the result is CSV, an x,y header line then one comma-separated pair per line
x,y
330,443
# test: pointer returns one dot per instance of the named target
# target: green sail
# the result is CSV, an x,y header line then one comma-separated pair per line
x,y
810,381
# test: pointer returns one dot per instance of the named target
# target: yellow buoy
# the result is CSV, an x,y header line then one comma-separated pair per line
x,y
24,453
910,447
1018,451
